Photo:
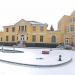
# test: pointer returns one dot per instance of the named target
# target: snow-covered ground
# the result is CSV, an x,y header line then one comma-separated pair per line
x,y
30,55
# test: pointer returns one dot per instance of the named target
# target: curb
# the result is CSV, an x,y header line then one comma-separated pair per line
x,y
11,62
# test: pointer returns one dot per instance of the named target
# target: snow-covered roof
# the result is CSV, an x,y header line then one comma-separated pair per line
x,y
35,22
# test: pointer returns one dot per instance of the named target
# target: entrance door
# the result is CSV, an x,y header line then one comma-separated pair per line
x,y
67,41
22,38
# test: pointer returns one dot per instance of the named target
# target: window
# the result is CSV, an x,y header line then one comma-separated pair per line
x,y
67,41
19,28
7,29
27,38
41,28
22,28
25,28
67,28
13,29
72,28
34,28
1,38
73,20
6,38
34,38
53,39
13,38
41,38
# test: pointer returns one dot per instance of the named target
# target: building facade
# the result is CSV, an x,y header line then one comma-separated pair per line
x,y
36,33
25,32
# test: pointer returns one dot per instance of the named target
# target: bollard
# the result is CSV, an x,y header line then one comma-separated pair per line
x,y
60,58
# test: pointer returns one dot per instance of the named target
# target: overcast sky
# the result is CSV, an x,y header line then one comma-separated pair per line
x,y
45,11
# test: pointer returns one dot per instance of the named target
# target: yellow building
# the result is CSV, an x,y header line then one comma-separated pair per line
x,y
24,31
33,33
66,26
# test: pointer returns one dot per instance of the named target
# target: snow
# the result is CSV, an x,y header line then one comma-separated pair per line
x,y
30,57
35,22
12,69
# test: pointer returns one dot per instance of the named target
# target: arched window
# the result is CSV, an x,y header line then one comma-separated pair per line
x,y
53,39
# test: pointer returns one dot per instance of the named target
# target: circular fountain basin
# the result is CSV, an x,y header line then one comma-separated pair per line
x,y
34,57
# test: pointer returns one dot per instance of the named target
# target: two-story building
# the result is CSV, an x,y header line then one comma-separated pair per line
x,y
33,33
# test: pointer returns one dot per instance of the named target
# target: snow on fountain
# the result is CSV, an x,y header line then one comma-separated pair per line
x,y
33,57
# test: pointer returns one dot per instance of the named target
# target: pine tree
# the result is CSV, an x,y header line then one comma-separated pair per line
x,y
51,28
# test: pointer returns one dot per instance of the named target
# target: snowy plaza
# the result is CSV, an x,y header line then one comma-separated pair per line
x,y
31,61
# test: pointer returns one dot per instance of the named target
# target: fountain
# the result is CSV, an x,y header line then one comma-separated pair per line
x,y
33,57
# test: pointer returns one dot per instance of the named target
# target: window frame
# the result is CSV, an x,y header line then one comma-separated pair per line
x,y
41,38
7,29
33,38
53,39
7,38
41,28
13,38
34,28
